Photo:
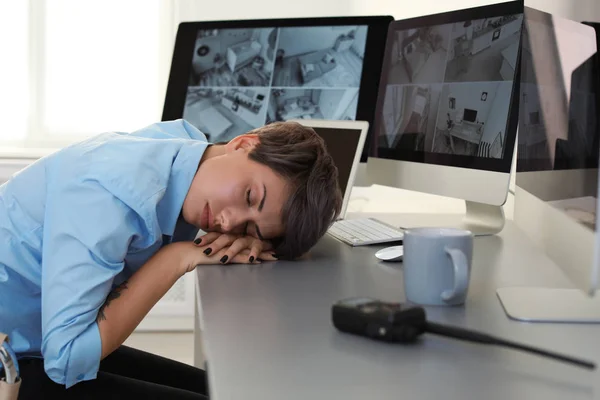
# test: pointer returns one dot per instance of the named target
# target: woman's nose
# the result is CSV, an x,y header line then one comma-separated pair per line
x,y
231,221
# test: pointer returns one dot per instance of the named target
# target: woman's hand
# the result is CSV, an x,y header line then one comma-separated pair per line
x,y
235,246
190,255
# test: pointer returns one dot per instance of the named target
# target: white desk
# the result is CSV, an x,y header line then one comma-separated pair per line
x,y
267,331
467,131
379,199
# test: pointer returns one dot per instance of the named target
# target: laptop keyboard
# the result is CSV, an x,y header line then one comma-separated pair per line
x,y
364,231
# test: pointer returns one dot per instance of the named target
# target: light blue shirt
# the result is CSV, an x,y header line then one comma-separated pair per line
x,y
77,223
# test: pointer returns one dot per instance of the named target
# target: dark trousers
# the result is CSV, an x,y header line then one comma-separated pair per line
x,y
125,374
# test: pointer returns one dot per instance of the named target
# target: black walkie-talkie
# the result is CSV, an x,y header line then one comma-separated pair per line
x,y
404,323
390,322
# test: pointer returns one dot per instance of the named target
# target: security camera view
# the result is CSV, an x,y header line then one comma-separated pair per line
x,y
448,88
242,79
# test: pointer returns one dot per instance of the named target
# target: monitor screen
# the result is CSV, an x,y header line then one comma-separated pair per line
x,y
470,115
447,89
229,77
559,129
341,145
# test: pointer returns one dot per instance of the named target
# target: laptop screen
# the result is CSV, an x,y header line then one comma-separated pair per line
x,y
341,144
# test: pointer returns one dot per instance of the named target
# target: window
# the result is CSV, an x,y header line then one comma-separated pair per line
x,y
82,67
75,68
14,96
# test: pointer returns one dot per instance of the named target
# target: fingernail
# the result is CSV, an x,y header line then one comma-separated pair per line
x,y
207,251
275,255
251,258
224,259
197,241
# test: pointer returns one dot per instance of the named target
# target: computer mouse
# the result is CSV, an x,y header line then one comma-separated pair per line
x,y
393,253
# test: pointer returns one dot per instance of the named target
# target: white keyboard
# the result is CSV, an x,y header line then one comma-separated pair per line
x,y
364,231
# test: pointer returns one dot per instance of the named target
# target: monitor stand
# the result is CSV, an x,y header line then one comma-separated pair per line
x,y
533,304
481,219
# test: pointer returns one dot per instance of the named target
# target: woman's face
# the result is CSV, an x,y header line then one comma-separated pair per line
x,y
232,194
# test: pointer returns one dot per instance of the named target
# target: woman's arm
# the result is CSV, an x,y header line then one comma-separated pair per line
x,y
87,234
128,303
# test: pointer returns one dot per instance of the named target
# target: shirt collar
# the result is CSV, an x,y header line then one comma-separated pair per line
x,y
182,173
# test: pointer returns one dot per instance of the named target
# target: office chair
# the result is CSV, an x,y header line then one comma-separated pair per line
x,y
10,382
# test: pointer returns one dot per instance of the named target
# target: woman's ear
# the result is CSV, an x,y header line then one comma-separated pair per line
x,y
246,142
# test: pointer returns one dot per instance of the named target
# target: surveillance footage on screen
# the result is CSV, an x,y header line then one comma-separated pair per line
x,y
244,78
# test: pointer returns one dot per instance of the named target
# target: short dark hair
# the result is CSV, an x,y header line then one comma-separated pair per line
x,y
299,155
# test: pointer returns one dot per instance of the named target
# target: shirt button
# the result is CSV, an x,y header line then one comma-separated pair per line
x,y
80,377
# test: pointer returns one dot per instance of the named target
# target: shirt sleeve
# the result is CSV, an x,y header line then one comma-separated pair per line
x,y
177,129
87,232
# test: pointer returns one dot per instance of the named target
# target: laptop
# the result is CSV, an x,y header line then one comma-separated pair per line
x,y
345,141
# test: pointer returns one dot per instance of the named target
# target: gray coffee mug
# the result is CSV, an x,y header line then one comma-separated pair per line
x,y
437,265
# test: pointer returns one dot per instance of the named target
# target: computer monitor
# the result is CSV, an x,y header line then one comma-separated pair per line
x,y
470,115
596,60
556,196
228,77
447,110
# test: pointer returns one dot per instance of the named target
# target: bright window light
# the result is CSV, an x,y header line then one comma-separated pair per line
x,y
14,72
101,66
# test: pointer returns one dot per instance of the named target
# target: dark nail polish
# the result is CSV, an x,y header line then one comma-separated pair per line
x,y
251,258
197,241
224,259
207,251
259,259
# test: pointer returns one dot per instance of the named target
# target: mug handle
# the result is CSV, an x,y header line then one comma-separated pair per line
x,y
461,275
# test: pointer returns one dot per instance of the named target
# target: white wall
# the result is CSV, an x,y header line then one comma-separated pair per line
x,y
350,111
578,10
203,10
329,101
406,9
347,97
